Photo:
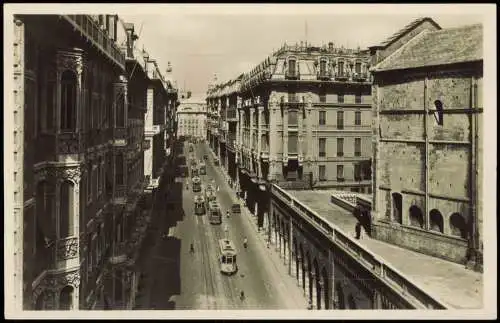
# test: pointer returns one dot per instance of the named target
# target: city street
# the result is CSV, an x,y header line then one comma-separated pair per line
x,y
176,279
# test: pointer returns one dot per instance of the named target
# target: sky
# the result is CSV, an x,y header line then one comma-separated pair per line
x,y
200,44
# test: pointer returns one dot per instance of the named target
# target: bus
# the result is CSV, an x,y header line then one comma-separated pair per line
x,y
227,257
202,168
214,215
194,171
199,205
196,184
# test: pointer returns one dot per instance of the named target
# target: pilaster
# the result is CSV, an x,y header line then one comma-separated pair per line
x,y
273,134
252,115
285,132
260,117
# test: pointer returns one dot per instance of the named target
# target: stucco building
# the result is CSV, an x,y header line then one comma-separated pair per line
x,y
192,119
304,117
79,185
427,134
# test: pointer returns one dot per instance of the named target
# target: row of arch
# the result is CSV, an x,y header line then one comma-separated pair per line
x,y
456,222
65,303
309,273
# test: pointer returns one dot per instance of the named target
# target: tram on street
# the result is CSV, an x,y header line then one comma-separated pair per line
x,y
202,168
227,256
194,171
214,215
199,205
196,182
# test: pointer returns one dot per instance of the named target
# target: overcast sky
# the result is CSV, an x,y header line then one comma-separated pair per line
x,y
200,40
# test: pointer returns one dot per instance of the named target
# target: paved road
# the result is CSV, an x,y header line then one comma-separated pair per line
x,y
177,279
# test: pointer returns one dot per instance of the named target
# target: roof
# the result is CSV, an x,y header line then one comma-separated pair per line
x,y
405,30
437,276
441,47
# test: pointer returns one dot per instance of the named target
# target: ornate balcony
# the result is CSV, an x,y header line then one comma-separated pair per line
x,y
69,143
67,248
99,38
324,75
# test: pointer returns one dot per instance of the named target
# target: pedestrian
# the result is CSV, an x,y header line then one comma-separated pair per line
x,y
191,248
358,230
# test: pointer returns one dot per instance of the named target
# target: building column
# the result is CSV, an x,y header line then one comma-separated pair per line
x,y
300,134
260,117
285,133
273,135
309,134
252,114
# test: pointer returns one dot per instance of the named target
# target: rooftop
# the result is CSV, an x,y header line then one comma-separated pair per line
x,y
432,48
404,30
454,285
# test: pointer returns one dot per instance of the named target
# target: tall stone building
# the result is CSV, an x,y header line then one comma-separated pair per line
x,y
304,117
192,119
78,177
427,141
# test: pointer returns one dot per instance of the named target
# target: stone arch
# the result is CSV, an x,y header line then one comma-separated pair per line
x,y
436,220
458,226
296,256
317,278
66,298
66,199
397,207
326,288
352,302
339,296
68,97
416,217
283,236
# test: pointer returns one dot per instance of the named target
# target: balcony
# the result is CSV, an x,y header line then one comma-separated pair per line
x,y
69,143
292,75
324,75
360,77
90,28
342,77
67,248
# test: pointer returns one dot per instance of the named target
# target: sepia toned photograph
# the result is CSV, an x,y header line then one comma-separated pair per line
x,y
261,161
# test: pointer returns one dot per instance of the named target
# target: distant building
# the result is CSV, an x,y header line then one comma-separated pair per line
x,y
192,119
427,129
304,118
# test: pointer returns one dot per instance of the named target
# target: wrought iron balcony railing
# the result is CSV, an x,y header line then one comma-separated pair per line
x,y
90,28
324,75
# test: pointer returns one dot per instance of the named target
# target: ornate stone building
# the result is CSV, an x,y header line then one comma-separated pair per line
x,y
82,176
304,117
192,119
427,141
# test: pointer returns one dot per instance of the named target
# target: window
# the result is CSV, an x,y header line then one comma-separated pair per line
x,y
358,68
357,98
340,119
340,147
292,143
292,96
119,169
322,67
322,147
66,211
291,66
292,117
340,172
357,118
357,172
322,173
397,207
50,104
341,68
322,118
68,100
439,112
322,96
340,97
357,146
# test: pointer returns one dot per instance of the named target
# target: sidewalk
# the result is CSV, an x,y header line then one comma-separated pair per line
x,y
290,287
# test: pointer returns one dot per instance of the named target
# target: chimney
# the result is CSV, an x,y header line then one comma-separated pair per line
x,y
129,29
330,46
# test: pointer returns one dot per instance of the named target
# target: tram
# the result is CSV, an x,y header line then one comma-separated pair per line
x,y
202,168
196,184
227,257
194,171
199,205
214,215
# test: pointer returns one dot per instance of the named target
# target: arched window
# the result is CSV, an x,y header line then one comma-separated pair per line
x,y
397,207
436,220
66,298
292,66
66,210
416,217
68,100
322,66
458,226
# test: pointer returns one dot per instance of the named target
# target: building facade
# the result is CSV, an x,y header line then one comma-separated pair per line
x,y
428,146
304,117
192,119
80,186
